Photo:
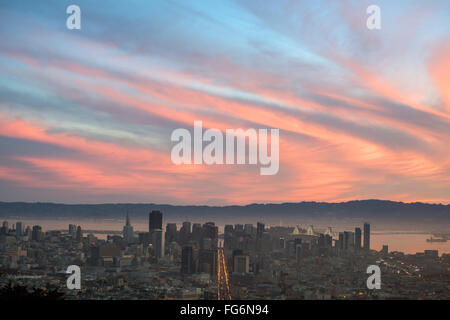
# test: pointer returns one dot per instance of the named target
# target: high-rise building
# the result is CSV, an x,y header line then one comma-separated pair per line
x,y
248,228
328,241
19,229
155,220
185,233
189,257
207,261
128,232
210,230
158,243
241,264
228,229
37,233
357,238
341,240
171,232
79,234
197,232
260,227
367,236
72,230
349,240
239,227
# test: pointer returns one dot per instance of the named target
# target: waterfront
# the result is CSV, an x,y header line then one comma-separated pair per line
x,y
405,241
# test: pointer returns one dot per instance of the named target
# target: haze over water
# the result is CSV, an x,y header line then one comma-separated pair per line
x,y
404,240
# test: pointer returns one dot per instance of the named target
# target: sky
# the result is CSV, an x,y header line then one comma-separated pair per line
x,y
86,115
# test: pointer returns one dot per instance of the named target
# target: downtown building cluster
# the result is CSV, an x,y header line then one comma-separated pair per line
x,y
196,261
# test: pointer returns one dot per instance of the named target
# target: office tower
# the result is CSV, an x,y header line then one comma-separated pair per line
x,y
155,220
79,234
189,256
385,249
211,231
158,243
185,233
3,229
144,238
349,240
357,238
37,233
197,232
72,230
19,229
266,242
241,264
341,241
238,228
171,232
228,236
207,261
128,232
186,227
28,232
207,244
228,229
328,241
366,236
259,230
248,229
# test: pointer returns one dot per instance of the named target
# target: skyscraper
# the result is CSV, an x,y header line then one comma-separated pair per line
x,y
357,238
37,233
79,234
197,231
259,229
341,241
210,230
366,236
171,232
158,243
72,230
186,227
185,232
19,229
349,240
189,257
128,232
241,264
248,228
155,220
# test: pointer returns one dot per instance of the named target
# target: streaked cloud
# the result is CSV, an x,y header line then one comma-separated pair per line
x,y
86,116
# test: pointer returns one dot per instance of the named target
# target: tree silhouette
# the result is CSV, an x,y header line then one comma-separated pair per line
x,y
19,292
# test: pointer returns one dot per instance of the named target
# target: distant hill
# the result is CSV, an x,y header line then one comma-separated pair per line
x,y
370,209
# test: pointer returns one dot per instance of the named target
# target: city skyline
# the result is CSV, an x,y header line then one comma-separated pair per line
x,y
198,262
86,115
